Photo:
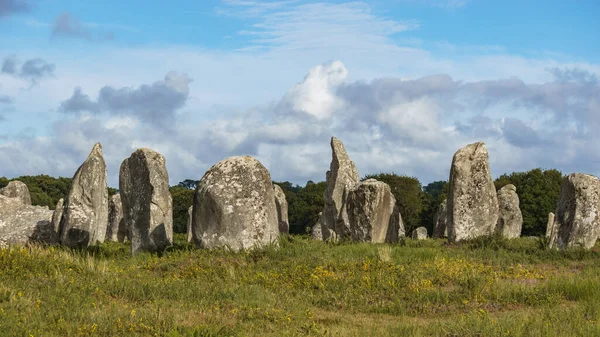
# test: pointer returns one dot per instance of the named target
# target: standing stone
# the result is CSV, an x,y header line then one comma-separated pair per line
x,y
577,221
234,206
85,215
472,199
57,215
316,230
419,233
189,236
147,202
117,230
17,189
370,208
549,225
341,176
510,219
21,224
440,230
282,209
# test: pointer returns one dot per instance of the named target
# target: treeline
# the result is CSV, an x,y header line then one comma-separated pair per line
x,y
537,189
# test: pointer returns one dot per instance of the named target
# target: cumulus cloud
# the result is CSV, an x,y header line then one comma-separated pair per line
x,y
32,69
156,103
10,7
408,126
68,25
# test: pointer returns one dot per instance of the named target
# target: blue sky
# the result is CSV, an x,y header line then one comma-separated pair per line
x,y
403,83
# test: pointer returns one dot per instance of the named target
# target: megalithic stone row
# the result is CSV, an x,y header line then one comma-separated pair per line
x,y
577,219
147,202
372,213
282,209
510,219
117,229
472,200
341,177
440,230
85,215
234,206
17,189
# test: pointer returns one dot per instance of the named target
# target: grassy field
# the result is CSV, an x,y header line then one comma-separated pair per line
x,y
488,287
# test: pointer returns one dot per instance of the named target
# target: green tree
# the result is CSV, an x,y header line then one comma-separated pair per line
x,y
409,195
435,193
538,192
304,206
189,184
183,198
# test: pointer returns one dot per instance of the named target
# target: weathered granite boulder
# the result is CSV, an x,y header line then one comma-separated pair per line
x,y
189,235
21,224
472,200
117,231
85,215
549,224
370,207
282,209
577,221
419,233
57,215
17,189
510,219
341,176
440,230
234,206
147,202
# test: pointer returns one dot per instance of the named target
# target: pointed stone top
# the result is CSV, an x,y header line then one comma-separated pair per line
x,y
337,146
96,150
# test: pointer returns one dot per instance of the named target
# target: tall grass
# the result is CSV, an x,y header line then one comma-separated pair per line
x,y
485,287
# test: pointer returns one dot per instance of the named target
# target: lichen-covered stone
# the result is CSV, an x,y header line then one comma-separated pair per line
x,y
440,230
370,207
510,219
17,189
57,215
341,176
577,220
21,224
282,209
234,206
419,233
472,200
85,215
147,202
189,235
549,224
117,230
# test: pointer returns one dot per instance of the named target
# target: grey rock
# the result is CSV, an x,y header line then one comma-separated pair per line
x,y
370,207
440,230
234,206
549,224
577,221
472,200
189,235
57,215
510,219
85,215
341,176
117,230
147,202
17,189
419,233
21,224
282,209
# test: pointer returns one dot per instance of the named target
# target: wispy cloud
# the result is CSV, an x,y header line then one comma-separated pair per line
x,y
32,69
291,25
67,25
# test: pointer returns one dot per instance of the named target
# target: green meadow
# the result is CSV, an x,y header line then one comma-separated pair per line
x,y
486,287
